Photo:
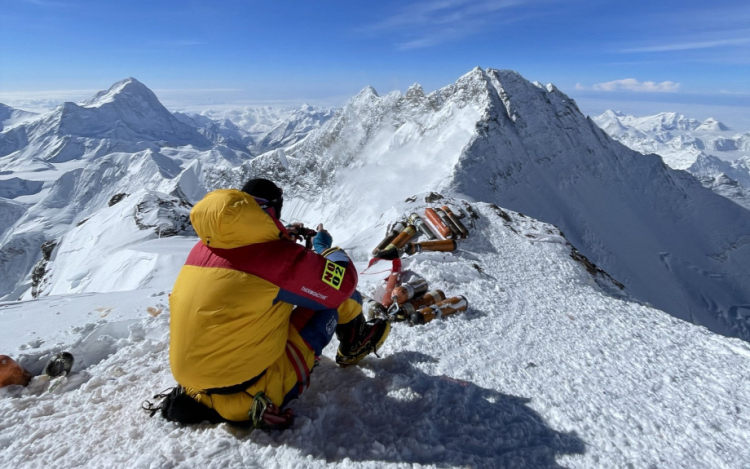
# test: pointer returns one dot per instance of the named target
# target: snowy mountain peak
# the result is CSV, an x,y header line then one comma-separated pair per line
x,y
367,92
128,90
128,111
712,125
612,114
10,116
415,91
495,136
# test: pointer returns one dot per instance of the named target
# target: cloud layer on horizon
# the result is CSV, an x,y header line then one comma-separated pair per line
x,y
632,84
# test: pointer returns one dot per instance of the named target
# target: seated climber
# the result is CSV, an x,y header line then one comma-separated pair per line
x,y
252,310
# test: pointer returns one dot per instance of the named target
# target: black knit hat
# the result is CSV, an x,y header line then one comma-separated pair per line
x,y
265,189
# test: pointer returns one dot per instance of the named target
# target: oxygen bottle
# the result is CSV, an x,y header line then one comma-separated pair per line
x,y
454,218
439,310
441,227
417,221
392,233
429,298
448,222
411,289
391,283
442,245
408,233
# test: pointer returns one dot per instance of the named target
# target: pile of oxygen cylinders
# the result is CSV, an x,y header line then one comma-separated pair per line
x,y
412,301
440,226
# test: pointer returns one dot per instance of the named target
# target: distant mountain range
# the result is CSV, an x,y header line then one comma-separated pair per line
x,y
709,150
492,136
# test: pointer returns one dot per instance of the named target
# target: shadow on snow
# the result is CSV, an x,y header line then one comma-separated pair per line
x,y
404,415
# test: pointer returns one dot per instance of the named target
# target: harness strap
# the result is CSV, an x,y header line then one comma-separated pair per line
x,y
300,366
235,388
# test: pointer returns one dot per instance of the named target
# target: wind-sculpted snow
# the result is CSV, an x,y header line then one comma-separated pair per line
x,y
397,145
79,194
545,370
111,263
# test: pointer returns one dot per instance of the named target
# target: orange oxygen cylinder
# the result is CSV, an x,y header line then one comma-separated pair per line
x,y
391,283
454,218
403,238
411,289
442,245
429,298
448,222
434,218
12,373
392,233
439,310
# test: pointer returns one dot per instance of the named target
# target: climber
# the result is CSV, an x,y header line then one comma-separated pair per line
x,y
252,310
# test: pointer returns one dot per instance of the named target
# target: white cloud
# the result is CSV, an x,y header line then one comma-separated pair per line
x,y
631,84
428,24
691,45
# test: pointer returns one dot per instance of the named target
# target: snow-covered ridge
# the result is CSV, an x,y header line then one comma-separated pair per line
x,y
492,136
553,364
496,137
266,128
127,117
10,117
546,369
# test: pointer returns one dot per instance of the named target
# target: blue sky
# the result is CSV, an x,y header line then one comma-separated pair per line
x,y
650,55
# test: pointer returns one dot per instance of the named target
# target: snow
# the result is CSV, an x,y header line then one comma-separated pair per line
x,y
706,149
546,369
553,365
10,117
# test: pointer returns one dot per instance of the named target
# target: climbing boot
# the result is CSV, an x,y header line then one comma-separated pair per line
x,y
358,338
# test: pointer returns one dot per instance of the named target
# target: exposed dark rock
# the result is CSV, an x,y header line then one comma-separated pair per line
x,y
166,215
39,272
116,198
433,197
502,213
48,248
592,268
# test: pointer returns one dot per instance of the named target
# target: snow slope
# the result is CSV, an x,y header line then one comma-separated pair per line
x,y
10,117
552,366
652,228
65,166
496,137
707,149
546,369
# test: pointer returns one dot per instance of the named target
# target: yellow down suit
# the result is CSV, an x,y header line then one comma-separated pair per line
x,y
234,327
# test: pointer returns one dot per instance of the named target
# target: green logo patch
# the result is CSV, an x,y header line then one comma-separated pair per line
x,y
333,274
